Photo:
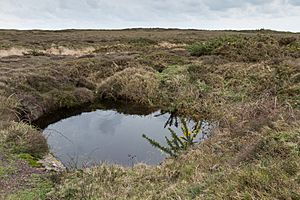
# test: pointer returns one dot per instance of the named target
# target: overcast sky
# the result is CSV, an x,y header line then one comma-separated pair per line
x,y
111,14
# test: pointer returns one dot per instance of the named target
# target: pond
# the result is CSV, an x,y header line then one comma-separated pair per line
x,y
107,132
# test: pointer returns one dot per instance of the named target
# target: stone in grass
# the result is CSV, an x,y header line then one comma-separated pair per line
x,y
50,163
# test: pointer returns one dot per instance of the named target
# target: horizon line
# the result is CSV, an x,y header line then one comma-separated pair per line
x,y
146,28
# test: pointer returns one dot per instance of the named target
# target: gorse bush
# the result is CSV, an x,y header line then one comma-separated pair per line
x,y
201,49
247,48
208,47
294,47
178,143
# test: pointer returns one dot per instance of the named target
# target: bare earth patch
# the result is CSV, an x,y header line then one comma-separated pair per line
x,y
12,52
60,50
18,175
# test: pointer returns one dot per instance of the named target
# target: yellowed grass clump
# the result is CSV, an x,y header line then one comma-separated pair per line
x,y
132,84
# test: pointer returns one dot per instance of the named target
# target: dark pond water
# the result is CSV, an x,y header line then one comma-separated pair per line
x,y
107,133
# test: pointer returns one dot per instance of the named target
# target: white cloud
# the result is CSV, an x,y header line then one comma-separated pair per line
x,y
202,14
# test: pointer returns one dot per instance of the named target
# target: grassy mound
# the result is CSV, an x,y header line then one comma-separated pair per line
x,y
22,138
132,84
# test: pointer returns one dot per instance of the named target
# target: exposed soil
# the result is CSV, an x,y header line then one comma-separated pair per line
x,y
19,175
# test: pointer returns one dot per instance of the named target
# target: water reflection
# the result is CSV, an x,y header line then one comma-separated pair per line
x,y
106,135
107,123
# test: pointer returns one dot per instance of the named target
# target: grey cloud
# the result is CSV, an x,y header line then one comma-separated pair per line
x,y
223,4
294,2
130,13
93,3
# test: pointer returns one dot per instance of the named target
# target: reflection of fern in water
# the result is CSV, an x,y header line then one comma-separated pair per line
x,y
176,143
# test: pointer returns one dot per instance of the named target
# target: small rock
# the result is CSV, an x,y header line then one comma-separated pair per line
x,y
50,163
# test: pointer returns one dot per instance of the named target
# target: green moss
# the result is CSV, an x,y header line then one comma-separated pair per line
x,y
32,161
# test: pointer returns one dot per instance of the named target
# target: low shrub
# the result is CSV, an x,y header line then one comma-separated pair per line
x,y
247,48
203,48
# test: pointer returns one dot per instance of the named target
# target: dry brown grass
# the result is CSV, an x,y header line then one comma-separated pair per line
x,y
22,138
131,84
253,155
9,108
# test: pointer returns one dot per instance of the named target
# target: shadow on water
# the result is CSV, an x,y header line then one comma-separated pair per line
x,y
120,107
109,132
